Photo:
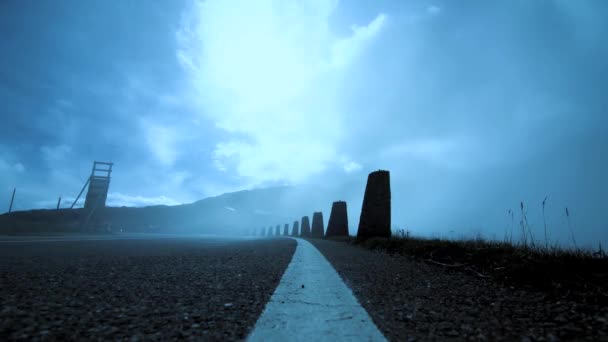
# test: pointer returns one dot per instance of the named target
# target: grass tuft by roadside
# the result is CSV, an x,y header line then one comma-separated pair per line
x,y
574,273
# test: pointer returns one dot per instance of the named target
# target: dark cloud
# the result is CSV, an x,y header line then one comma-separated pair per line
x,y
474,106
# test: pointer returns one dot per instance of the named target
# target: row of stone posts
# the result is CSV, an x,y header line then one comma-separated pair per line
x,y
375,219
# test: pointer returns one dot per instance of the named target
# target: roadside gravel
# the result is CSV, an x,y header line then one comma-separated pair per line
x,y
411,300
143,289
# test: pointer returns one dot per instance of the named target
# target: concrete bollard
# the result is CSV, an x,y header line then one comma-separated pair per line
x,y
305,232
375,218
338,220
318,228
286,229
295,231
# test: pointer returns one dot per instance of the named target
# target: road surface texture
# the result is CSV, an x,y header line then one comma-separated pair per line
x,y
151,288
414,301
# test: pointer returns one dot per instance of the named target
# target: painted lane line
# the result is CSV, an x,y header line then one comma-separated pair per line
x,y
312,303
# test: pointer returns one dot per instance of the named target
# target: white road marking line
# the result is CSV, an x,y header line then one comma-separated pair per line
x,y
312,303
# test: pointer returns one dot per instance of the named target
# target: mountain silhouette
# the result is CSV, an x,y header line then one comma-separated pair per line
x,y
231,213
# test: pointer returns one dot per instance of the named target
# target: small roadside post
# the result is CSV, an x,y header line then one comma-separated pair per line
x,y
10,208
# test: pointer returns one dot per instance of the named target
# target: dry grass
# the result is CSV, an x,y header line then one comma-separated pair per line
x,y
573,272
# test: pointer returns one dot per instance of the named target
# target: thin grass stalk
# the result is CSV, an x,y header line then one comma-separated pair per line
x,y
524,236
545,223
570,227
512,225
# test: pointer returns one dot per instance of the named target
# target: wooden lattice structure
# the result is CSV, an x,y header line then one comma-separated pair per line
x,y
99,183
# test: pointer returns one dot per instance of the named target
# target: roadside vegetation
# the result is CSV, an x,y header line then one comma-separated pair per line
x,y
564,271
576,272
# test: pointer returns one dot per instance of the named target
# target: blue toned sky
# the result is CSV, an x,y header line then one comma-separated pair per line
x,y
473,106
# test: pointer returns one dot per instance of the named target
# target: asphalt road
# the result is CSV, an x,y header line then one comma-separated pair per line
x,y
411,300
137,286
165,287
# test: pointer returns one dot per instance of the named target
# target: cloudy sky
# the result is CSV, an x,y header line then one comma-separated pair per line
x,y
473,106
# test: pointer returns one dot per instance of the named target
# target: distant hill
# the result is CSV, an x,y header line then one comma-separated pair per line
x,y
230,213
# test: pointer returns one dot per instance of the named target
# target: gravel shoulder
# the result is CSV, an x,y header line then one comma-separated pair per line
x,y
411,300
162,289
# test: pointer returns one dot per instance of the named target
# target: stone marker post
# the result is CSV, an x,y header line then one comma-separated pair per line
x,y
305,227
375,218
295,231
338,220
318,229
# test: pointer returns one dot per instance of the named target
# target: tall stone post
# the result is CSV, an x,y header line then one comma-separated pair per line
x,y
286,229
318,228
375,218
338,220
305,227
277,231
295,231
